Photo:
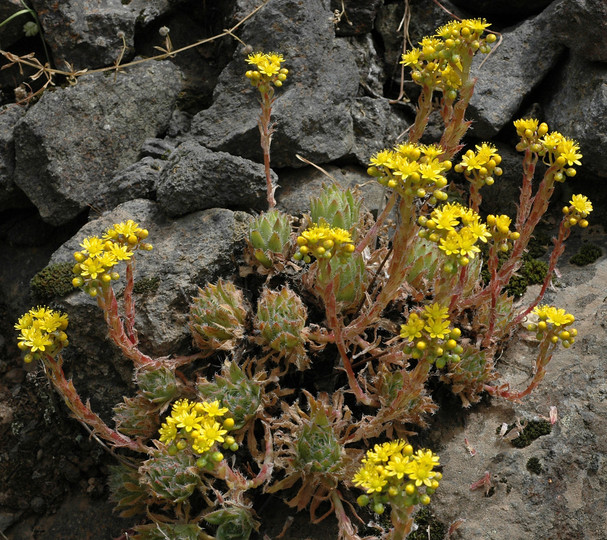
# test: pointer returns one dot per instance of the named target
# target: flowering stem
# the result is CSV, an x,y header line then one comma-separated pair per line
x,y
337,327
525,200
405,234
265,130
108,304
457,126
372,233
424,108
459,288
495,291
557,251
538,209
129,304
346,528
541,361
402,522
83,412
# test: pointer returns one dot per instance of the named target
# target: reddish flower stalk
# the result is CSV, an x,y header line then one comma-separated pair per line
x,y
266,130
372,233
457,126
83,412
346,528
525,200
557,251
424,108
108,304
129,304
541,361
397,269
402,521
337,328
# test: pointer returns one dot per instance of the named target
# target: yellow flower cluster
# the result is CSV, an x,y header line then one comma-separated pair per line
x,y
553,324
577,212
499,227
391,472
456,229
555,149
42,332
95,263
481,166
195,425
443,61
323,242
268,69
432,335
412,170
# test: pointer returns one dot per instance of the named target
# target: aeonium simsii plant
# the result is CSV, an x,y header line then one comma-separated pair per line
x,y
376,310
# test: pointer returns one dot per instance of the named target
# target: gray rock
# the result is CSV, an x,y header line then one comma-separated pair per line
x,y
566,499
10,195
311,110
102,124
188,252
148,11
526,55
370,68
581,25
137,181
85,32
354,16
299,185
578,109
196,178
156,148
502,8
377,125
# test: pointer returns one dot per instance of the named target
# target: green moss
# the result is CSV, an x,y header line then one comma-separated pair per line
x,y
587,254
533,430
51,282
146,285
429,528
534,466
532,272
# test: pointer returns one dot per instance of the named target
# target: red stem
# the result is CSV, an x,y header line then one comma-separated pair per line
x,y
107,302
129,304
83,412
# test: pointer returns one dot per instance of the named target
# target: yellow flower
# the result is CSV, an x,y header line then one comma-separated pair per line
x,y
552,141
451,243
411,58
525,124
383,158
581,204
213,409
436,312
476,26
168,430
92,245
413,329
92,267
255,58
568,149
437,328
479,230
370,478
35,340
398,466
